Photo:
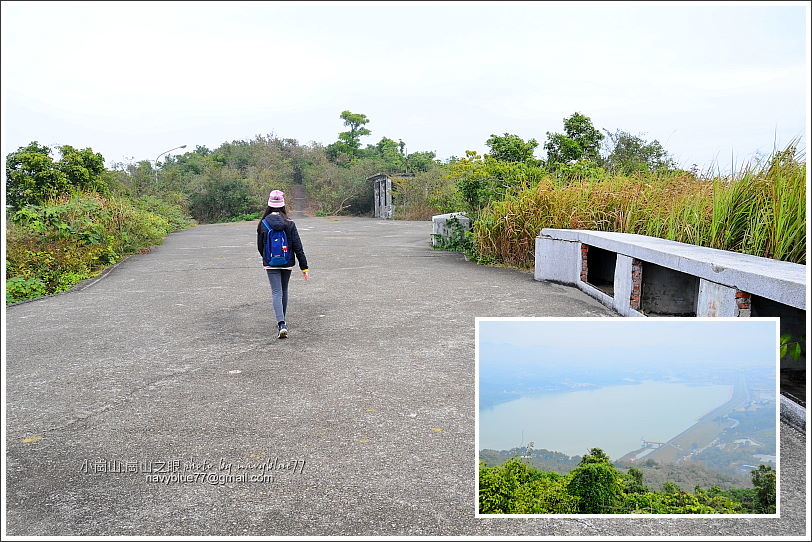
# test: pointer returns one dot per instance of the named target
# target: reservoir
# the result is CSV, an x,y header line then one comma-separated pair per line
x,y
613,418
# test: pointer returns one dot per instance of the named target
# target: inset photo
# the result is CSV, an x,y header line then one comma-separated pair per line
x,y
633,416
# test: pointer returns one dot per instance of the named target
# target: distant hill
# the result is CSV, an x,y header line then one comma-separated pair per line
x,y
686,475
540,459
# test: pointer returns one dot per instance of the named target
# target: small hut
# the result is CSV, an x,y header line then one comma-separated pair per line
x,y
382,198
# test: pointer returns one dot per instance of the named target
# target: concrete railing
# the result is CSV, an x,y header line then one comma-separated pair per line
x,y
639,275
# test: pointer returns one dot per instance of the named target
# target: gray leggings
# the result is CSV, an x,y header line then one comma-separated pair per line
x,y
279,288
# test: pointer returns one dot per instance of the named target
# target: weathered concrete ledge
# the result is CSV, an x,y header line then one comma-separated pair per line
x,y
442,226
793,414
559,258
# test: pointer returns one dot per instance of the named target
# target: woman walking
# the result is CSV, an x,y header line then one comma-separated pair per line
x,y
279,245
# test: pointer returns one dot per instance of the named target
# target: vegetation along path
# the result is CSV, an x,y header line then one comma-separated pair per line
x,y
157,400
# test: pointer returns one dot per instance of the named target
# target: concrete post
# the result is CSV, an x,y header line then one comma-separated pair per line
x,y
388,192
623,284
377,199
557,260
716,300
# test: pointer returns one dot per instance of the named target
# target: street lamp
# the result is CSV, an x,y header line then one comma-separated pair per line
x,y
156,161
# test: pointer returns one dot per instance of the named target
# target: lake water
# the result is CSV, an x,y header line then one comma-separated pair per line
x,y
612,418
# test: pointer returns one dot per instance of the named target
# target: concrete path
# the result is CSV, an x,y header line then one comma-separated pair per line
x,y
301,203
168,364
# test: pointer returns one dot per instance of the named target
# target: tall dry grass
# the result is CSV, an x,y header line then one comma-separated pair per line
x,y
760,211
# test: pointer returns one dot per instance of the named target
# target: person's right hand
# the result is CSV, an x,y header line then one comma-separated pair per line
x,y
306,274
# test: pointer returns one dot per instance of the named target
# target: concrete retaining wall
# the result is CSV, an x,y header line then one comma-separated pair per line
x,y
443,226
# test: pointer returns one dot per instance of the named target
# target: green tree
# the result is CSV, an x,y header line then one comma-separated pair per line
x,y
236,154
355,122
481,180
84,168
595,456
138,179
337,189
427,194
32,176
349,142
629,154
748,497
634,481
296,155
671,488
517,488
389,151
498,485
679,502
718,500
340,153
421,161
596,483
512,148
221,195
764,481
580,140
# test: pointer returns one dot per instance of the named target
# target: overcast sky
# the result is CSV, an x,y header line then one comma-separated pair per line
x,y
683,339
133,79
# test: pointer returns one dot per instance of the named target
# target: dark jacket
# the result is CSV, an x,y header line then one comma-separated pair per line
x,y
276,222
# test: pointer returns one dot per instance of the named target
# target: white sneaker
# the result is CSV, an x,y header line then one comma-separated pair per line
x,y
283,332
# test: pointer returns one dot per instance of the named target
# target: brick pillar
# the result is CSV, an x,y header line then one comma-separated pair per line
x,y
637,284
584,264
743,302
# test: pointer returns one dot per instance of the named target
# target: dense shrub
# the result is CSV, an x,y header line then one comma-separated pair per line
x,y
51,247
426,194
481,180
221,196
164,207
341,189
516,488
595,486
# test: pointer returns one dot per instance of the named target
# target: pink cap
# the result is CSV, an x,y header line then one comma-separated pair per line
x,y
276,199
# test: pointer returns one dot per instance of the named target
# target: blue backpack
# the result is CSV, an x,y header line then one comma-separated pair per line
x,y
277,252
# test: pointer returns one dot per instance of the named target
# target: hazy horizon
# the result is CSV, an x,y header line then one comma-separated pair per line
x,y
667,341
610,418
718,84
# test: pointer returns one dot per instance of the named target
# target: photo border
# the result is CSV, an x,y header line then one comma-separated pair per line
x,y
609,321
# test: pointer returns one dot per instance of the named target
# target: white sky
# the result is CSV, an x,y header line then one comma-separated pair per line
x,y
685,340
133,79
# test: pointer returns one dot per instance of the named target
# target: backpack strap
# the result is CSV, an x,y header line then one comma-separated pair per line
x,y
267,227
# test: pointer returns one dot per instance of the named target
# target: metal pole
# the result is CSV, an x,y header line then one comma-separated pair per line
x,y
156,161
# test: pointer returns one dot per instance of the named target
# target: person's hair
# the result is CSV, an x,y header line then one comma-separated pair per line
x,y
269,210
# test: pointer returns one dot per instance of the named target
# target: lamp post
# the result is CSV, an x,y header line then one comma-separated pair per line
x,y
156,161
